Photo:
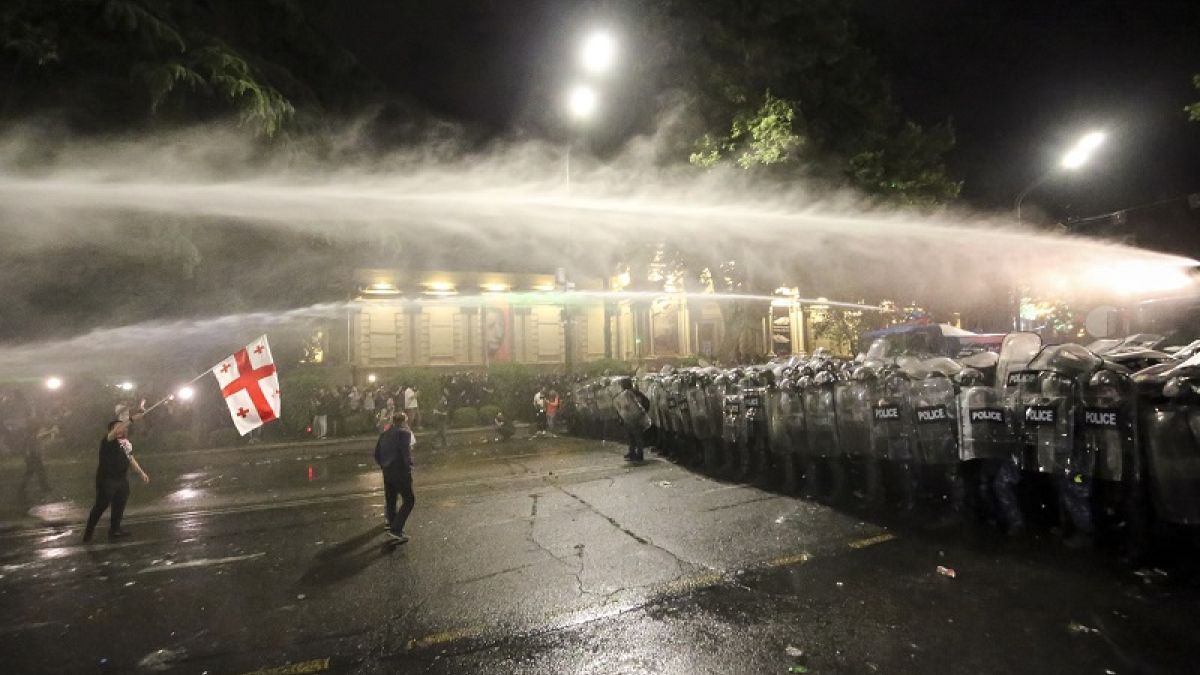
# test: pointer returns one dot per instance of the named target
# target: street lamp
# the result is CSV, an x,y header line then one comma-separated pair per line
x,y
598,53
54,383
1076,157
1083,150
581,102
186,393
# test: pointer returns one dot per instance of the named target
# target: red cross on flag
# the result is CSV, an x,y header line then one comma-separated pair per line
x,y
250,385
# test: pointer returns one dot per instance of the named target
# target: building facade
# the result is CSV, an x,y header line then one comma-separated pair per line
x,y
458,320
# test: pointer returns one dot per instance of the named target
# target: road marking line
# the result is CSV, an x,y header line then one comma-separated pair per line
x,y
199,562
298,668
695,582
871,541
786,560
442,637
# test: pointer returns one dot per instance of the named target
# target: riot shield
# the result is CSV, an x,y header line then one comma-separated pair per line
x,y
1171,432
935,412
1108,435
702,420
777,432
1017,350
1049,416
630,411
821,421
731,414
793,408
892,430
682,422
852,401
986,430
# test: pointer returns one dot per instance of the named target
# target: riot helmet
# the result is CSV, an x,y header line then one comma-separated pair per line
x,y
863,374
1054,384
1105,380
970,377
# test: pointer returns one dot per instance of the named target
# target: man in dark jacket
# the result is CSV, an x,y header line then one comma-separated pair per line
x,y
393,453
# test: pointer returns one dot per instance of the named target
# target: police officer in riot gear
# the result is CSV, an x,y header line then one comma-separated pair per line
x,y
987,440
824,474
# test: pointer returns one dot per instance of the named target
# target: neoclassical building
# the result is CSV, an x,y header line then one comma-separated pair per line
x,y
463,319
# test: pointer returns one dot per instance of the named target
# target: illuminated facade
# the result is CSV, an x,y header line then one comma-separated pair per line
x,y
474,319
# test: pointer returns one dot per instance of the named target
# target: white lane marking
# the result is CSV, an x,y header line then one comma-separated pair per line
x,y
7,630
199,562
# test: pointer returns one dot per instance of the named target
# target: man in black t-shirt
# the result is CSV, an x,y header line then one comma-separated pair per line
x,y
112,477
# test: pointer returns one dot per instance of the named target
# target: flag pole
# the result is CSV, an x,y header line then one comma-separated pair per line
x,y
172,396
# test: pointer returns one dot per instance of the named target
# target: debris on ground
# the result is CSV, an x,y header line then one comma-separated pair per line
x,y
161,660
947,571
798,669
664,483
794,652
1076,627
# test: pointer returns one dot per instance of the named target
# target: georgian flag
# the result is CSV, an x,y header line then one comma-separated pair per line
x,y
250,385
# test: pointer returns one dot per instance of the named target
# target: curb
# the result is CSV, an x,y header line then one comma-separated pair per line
x,y
15,462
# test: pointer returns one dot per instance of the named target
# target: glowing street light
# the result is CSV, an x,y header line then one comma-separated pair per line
x,y
54,383
125,386
1076,157
1083,150
371,378
581,101
598,53
185,393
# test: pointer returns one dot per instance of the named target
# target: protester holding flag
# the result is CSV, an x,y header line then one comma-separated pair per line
x,y
112,476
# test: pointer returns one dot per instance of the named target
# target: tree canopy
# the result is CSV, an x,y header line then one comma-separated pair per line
x,y
790,89
114,64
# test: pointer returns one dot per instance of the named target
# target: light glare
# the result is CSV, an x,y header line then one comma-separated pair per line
x,y
598,54
54,383
582,102
186,393
1083,150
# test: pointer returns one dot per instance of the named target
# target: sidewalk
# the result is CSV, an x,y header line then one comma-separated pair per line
x,y
16,462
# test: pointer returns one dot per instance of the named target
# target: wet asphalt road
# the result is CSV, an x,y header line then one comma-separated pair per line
x,y
546,556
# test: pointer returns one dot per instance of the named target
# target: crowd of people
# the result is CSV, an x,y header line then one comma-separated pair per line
x,y
351,409
347,409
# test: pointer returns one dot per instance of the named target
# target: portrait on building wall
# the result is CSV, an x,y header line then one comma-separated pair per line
x,y
497,333
665,317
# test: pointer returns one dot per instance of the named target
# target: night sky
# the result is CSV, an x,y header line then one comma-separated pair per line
x,y
1020,79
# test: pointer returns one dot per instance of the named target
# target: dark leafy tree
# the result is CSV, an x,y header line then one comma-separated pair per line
x,y
114,63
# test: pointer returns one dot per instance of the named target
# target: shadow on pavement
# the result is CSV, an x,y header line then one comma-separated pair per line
x,y
345,559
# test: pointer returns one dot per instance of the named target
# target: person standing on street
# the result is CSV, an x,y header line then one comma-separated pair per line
x,y
441,418
320,408
552,405
411,407
631,408
112,477
539,411
393,453
17,429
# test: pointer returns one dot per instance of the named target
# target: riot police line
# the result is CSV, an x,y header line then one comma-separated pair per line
x,y
1056,435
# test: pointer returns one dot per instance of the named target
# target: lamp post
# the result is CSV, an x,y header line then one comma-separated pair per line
x,y
1077,156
